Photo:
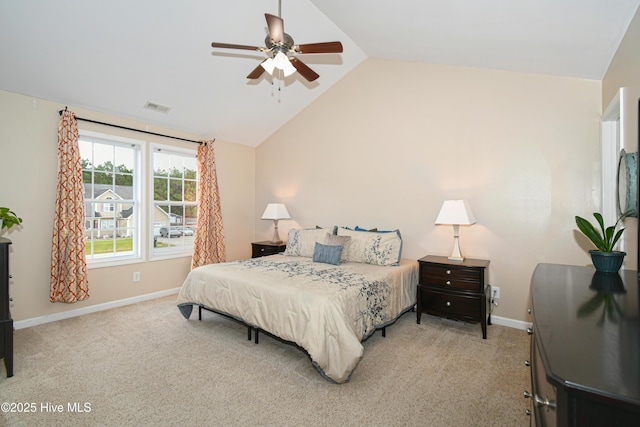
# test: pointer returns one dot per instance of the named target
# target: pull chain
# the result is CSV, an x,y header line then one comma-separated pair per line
x,y
279,84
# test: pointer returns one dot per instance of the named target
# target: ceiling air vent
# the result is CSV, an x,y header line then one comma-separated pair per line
x,y
157,107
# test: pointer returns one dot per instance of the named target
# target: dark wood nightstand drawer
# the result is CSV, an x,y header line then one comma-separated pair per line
x,y
463,307
265,248
457,278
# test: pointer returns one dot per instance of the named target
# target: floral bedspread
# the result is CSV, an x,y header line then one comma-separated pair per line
x,y
326,309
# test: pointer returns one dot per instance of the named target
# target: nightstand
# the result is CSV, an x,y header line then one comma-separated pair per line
x,y
259,249
455,289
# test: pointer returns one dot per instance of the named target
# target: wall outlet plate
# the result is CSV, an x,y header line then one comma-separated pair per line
x,y
495,292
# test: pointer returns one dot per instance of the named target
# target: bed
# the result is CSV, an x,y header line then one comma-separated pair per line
x,y
327,299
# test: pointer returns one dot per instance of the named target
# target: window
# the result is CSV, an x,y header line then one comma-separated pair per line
x,y
111,178
174,208
108,207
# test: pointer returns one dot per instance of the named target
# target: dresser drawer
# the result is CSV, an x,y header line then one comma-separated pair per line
x,y
451,277
467,307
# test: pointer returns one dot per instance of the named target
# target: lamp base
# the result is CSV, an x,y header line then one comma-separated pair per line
x,y
455,254
276,236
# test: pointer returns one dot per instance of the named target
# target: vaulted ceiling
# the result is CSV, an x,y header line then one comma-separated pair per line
x,y
115,56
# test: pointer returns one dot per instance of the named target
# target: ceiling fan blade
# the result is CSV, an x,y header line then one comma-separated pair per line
x,y
276,27
328,47
304,71
257,72
236,46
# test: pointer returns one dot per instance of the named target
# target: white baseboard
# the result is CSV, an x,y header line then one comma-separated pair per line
x,y
20,324
511,323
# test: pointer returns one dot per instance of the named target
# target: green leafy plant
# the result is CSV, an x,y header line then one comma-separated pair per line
x,y
604,239
8,218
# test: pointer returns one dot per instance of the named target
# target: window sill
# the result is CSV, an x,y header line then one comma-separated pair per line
x,y
171,255
91,264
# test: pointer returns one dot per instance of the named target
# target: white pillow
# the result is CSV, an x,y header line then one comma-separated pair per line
x,y
380,248
303,242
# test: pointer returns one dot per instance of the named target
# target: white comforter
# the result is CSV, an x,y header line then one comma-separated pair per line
x,y
326,309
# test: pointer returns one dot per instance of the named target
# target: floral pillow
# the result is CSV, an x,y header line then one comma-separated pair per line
x,y
380,248
302,242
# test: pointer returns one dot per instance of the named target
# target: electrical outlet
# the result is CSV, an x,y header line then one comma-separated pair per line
x,y
136,276
495,292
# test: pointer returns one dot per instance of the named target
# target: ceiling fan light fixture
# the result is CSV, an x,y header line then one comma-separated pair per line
x,y
282,62
268,65
288,68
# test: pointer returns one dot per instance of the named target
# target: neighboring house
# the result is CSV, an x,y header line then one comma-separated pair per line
x,y
105,212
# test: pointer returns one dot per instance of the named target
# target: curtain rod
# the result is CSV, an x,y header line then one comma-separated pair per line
x,y
132,129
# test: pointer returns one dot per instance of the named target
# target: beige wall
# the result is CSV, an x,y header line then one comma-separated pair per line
x,y
389,142
28,153
624,71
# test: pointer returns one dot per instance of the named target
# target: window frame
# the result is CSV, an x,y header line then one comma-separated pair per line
x,y
180,151
138,249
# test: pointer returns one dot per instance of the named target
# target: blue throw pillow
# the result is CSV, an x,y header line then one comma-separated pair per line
x,y
358,228
328,254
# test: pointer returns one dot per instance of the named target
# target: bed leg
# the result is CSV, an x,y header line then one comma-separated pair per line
x,y
257,330
384,332
199,312
249,333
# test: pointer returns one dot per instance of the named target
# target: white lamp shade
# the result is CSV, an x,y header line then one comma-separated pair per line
x,y
280,61
456,212
276,211
268,65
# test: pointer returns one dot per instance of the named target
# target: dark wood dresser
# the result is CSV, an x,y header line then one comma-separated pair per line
x,y
265,248
585,347
6,323
454,289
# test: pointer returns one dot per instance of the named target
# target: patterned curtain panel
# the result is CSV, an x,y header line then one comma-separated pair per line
x,y
68,261
208,246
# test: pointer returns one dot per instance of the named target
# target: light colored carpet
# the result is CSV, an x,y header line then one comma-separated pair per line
x,y
145,365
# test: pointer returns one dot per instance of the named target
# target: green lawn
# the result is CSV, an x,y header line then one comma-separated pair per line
x,y
105,246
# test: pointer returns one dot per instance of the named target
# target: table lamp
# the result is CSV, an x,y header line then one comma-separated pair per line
x,y
456,213
275,211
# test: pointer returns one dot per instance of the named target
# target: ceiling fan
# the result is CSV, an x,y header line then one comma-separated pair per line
x,y
278,45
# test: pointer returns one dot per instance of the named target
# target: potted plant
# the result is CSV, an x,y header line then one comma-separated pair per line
x,y
604,258
8,219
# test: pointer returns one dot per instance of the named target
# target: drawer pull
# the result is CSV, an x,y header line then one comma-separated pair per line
x,y
448,271
527,363
527,412
529,331
540,402
448,303
448,282
527,395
